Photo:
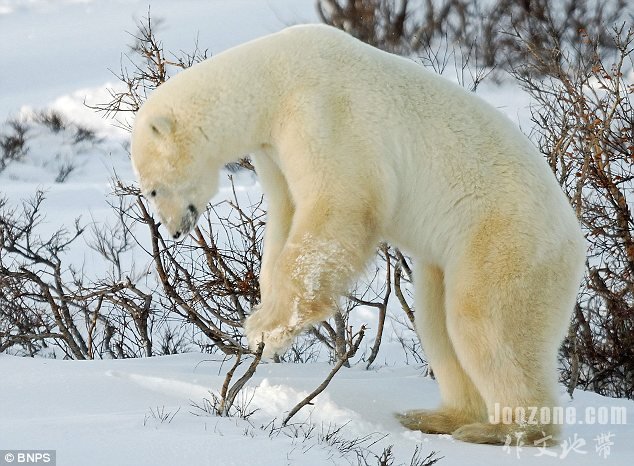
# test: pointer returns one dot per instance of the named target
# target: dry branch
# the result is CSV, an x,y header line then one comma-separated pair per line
x,y
355,342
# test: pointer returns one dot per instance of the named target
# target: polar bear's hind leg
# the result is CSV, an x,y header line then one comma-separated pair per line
x,y
461,401
507,310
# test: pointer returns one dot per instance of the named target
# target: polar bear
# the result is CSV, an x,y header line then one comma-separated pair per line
x,y
353,145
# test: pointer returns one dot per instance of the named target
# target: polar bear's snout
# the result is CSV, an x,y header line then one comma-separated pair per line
x,y
179,219
187,223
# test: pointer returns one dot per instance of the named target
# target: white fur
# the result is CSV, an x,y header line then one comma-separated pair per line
x,y
353,145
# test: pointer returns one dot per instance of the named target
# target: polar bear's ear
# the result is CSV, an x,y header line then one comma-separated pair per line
x,y
162,126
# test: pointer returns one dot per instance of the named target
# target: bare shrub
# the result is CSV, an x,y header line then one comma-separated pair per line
x,y
584,122
46,300
400,26
64,171
211,282
13,144
491,28
381,24
511,33
84,134
51,119
19,133
145,67
34,301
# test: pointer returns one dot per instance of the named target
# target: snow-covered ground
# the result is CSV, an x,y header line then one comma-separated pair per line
x,y
56,54
142,412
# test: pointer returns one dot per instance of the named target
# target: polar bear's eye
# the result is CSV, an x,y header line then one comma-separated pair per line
x,y
153,193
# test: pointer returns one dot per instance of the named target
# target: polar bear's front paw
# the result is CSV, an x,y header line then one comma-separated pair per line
x,y
276,335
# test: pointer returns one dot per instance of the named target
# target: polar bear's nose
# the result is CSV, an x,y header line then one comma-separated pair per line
x,y
176,235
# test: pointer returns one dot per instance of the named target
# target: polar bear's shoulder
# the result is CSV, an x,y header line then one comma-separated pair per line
x,y
315,30
308,37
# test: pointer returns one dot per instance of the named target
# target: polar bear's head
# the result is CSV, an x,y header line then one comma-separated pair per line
x,y
174,168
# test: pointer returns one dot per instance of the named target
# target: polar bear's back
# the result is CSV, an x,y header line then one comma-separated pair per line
x,y
435,136
390,92
409,109
385,91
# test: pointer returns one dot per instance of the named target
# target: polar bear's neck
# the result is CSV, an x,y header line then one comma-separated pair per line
x,y
226,101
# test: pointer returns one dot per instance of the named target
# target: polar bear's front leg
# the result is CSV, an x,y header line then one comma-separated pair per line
x,y
280,210
324,251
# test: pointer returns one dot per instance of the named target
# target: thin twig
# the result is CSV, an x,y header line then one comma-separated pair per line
x,y
354,346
